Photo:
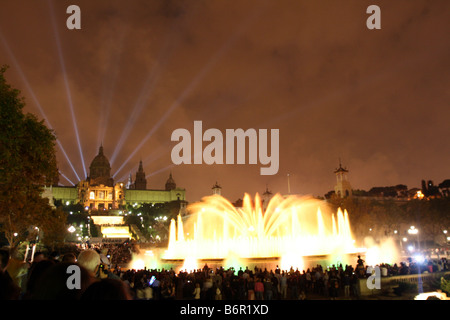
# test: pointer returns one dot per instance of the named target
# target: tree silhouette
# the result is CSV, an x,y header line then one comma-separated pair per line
x,y
27,163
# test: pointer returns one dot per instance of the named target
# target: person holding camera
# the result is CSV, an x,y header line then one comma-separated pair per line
x,y
91,260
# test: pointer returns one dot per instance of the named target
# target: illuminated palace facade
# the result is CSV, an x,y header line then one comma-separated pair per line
x,y
100,192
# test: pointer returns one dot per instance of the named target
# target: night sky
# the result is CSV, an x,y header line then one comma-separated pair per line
x,y
138,70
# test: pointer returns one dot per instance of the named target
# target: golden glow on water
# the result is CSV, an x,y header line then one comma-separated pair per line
x,y
289,228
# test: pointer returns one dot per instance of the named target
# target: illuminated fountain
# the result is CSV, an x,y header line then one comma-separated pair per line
x,y
288,229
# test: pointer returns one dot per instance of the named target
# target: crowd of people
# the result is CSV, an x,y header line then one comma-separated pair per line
x,y
117,253
258,284
414,267
231,284
46,278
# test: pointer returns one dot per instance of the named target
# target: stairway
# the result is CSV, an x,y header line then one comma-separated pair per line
x,y
135,230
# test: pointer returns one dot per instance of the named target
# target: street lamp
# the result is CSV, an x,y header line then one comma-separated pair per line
x,y
413,230
37,235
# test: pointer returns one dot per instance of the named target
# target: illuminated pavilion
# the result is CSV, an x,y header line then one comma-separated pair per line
x,y
99,191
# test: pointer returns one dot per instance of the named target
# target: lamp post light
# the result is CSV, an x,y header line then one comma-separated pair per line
x,y
71,229
403,241
37,235
414,232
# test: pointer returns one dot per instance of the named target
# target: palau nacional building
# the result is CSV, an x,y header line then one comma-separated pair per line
x,y
99,192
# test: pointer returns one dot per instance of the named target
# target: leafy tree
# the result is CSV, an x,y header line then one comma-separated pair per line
x,y
27,162
431,216
150,217
54,228
445,285
389,216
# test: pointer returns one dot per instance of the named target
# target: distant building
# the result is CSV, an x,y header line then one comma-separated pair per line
x,y
343,188
170,183
100,192
399,192
216,189
140,183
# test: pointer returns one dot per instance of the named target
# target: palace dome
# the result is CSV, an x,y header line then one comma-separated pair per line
x,y
100,160
100,169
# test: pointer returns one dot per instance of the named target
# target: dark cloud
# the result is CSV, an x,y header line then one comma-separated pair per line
x,y
140,69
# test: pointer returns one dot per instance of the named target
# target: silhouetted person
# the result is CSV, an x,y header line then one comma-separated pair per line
x,y
34,274
8,289
54,256
69,257
52,285
38,256
4,259
107,289
90,259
